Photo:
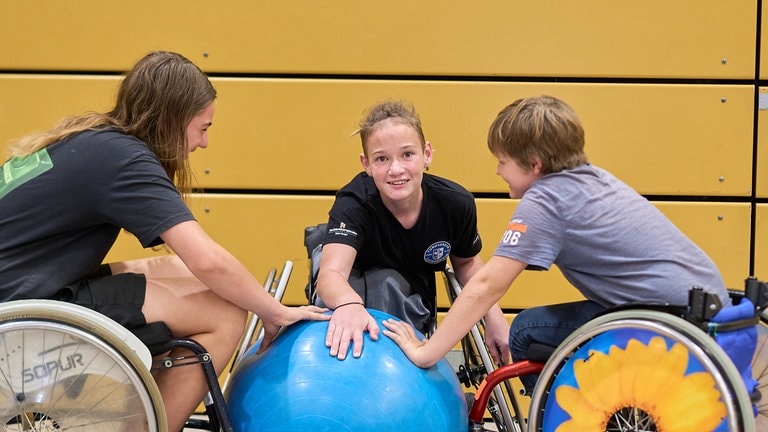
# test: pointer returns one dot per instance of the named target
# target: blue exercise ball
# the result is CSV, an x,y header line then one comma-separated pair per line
x,y
295,385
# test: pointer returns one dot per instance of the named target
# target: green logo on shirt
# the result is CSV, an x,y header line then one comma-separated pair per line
x,y
19,170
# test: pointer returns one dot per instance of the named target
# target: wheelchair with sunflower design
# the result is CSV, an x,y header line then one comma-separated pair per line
x,y
652,369
64,367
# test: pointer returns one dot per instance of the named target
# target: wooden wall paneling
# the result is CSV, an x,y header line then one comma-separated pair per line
x,y
35,102
761,242
294,134
590,38
661,139
761,174
763,43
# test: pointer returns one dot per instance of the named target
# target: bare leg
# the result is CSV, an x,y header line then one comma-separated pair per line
x,y
189,309
166,266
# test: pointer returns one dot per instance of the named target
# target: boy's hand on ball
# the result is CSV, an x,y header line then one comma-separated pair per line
x,y
405,337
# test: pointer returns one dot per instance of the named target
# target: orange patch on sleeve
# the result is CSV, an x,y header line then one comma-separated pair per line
x,y
514,226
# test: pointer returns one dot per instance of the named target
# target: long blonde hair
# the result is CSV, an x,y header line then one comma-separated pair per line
x,y
156,100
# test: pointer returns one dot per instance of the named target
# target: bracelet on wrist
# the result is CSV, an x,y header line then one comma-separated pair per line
x,y
350,303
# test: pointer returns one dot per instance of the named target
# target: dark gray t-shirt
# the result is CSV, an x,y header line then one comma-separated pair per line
x,y
62,208
611,243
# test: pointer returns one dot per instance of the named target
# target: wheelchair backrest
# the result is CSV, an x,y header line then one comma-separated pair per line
x,y
313,242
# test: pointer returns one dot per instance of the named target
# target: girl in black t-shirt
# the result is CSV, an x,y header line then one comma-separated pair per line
x,y
395,216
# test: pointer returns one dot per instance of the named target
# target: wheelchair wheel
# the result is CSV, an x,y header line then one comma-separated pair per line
x,y
61,370
640,370
760,373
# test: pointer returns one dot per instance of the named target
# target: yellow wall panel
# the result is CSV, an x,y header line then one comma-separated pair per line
x,y
295,134
655,38
649,135
32,102
761,242
761,176
764,44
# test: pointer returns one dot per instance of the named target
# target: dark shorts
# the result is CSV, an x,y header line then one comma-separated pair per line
x,y
119,296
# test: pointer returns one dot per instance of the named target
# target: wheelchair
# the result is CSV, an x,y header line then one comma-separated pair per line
x,y
64,367
639,370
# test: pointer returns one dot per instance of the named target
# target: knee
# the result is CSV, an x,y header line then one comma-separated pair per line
x,y
522,323
520,335
518,345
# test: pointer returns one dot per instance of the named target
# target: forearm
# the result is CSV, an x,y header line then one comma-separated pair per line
x,y
221,272
231,280
478,298
465,269
334,289
465,312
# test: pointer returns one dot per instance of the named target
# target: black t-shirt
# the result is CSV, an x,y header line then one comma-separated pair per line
x,y
447,225
62,208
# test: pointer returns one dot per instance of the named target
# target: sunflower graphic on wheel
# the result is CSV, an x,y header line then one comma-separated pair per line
x,y
634,380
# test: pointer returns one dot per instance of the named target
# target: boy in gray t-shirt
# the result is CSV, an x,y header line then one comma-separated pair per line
x,y
612,244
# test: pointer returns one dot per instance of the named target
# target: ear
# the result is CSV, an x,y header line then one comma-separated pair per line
x,y
427,154
536,166
364,163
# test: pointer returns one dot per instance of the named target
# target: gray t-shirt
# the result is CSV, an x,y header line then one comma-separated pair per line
x,y
611,243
